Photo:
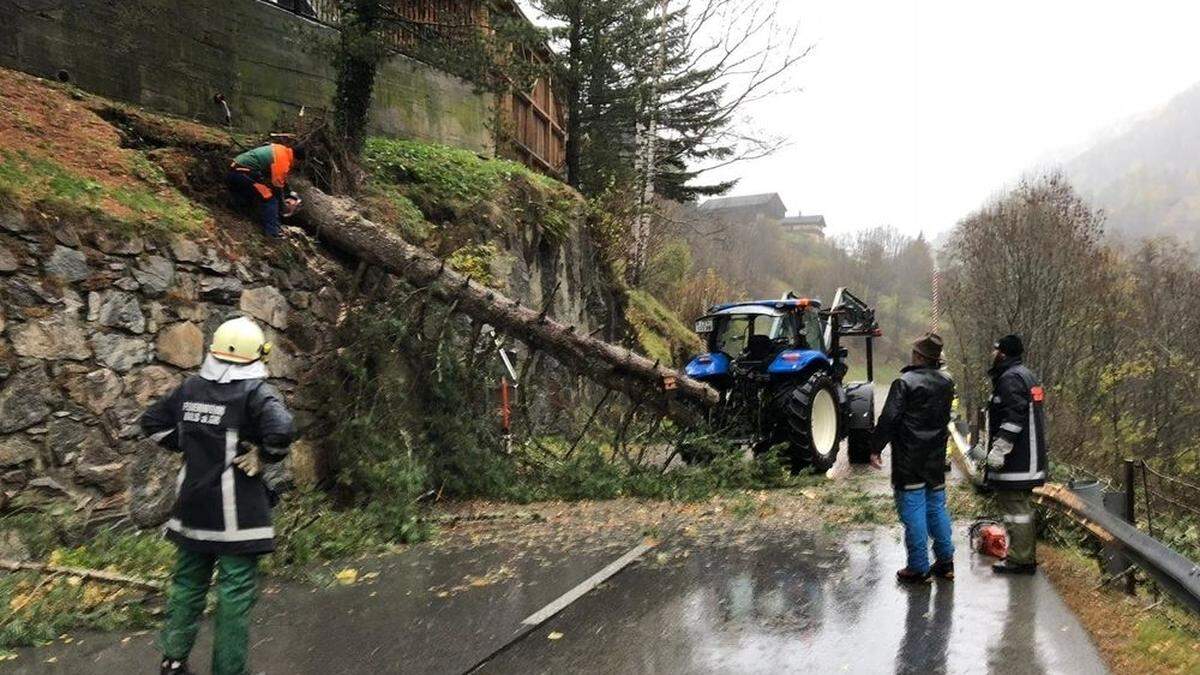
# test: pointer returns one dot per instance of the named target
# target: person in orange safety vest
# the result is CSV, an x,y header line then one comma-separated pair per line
x,y
258,178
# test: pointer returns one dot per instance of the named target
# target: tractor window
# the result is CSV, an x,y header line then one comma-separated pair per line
x,y
732,335
766,325
814,333
784,329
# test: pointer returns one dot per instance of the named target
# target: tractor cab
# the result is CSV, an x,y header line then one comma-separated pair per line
x,y
770,337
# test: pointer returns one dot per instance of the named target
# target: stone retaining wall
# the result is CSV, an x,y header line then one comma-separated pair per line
x,y
95,328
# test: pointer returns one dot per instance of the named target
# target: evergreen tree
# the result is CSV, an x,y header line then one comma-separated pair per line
x,y
628,66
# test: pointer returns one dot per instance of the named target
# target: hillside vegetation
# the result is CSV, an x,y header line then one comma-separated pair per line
x,y
1146,177
59,156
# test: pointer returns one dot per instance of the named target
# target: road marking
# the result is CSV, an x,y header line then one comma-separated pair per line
x,y
563,601
587,585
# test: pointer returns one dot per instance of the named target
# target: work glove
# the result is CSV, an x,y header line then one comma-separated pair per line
x,y
291,204
977,453
1000,448
249,461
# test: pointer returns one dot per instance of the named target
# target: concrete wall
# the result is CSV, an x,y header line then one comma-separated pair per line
x,y
174,55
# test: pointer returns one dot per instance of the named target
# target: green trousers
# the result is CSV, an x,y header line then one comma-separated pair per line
x,y
237,589
1016,508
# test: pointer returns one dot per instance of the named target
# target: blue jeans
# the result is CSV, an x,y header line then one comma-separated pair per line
x,y
246,197
923,512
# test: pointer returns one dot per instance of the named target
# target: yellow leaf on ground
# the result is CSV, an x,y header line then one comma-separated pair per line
x,y
347,576
94,595
554,635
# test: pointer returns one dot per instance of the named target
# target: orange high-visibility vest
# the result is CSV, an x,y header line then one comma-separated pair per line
x,y
281,164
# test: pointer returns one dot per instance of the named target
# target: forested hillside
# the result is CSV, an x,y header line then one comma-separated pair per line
x,y
1146,177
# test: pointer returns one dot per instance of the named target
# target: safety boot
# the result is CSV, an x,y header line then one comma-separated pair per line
x,y
943,570
173,667
907,576
1006,567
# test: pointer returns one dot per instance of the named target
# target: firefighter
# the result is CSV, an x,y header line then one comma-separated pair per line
x,y
1014,457
258,178
914,421
226,421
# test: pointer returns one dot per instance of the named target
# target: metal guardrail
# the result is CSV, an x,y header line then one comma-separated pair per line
x,y
1174,573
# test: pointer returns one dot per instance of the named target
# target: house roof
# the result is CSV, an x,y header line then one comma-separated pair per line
x,y
802,221
742,202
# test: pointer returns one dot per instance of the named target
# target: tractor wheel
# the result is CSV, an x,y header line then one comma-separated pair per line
x,y
810,422
860,446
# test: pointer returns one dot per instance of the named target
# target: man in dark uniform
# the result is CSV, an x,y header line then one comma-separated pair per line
x,y
1014,457
226,421
913,421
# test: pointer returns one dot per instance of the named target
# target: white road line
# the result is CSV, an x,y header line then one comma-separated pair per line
x,y
588,584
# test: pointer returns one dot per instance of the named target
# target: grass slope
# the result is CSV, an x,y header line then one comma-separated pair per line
x,y
59,156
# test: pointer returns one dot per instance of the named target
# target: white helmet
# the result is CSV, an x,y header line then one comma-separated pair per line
x,y
239,340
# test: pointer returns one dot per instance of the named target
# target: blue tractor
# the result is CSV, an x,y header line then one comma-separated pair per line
x,y
780,366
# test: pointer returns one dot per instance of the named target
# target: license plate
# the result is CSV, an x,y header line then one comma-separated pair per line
x,y
704,326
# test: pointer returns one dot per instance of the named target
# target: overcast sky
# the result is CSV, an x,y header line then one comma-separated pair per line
x,y
913,112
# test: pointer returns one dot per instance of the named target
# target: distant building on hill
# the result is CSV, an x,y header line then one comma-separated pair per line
x,y
747,208
766,207
807,225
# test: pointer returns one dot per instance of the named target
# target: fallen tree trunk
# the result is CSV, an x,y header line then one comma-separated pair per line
x,y
337,221
83,573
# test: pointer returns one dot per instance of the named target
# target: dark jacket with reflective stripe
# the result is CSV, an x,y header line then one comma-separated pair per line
x,y
1015,414
914,421
218,508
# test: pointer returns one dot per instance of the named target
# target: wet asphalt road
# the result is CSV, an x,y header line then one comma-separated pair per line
x,y
814,604
418,616
813,607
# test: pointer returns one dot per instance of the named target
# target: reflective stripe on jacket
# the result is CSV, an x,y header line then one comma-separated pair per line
x,y
1015,414
218,508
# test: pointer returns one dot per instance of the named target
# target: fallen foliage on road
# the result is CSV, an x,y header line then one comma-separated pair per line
x,y
1135,634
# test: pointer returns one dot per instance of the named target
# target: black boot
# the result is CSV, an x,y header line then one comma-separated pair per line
x,y
173,667
1006,567
907,576
943,570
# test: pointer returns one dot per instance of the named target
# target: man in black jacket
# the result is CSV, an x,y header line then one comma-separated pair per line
x,y
914,422
1015,453
226,421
